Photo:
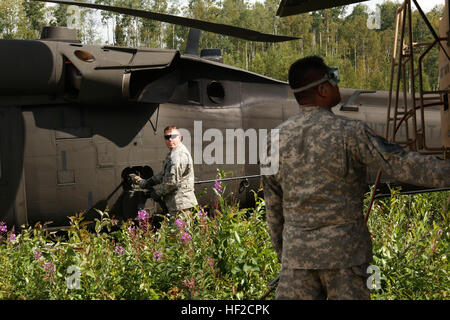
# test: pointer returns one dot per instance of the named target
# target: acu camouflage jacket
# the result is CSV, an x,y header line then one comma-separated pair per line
x,y
315,201
175,183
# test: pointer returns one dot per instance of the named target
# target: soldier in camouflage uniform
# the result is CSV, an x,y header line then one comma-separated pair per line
x,y
315,200
175,183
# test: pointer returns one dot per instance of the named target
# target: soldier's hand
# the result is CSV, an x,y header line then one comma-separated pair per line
x,y
135,179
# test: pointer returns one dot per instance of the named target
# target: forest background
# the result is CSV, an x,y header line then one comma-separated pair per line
x,y
340,34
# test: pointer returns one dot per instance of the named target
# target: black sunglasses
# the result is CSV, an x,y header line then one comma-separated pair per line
x,y
171,136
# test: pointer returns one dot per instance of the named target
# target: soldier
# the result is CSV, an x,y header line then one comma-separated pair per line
x,y
175,183
315,200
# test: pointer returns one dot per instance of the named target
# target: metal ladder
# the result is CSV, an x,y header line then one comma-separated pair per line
x,y
409,114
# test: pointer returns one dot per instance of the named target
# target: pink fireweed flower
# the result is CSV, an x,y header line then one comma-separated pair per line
x,y
12,237
157,255
180,223
49,268
186,237
119,250
3,227
190,283
143,215
37,254
218,186
132,230
202,213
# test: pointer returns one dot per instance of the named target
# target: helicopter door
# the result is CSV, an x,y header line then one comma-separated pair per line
x,y
12,180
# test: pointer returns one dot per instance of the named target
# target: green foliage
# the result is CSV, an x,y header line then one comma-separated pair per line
x,y
223,252
411,246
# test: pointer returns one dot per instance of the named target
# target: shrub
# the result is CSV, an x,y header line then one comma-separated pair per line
x,y
411,246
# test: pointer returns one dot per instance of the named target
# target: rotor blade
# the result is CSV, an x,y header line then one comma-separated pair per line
x,y
219,28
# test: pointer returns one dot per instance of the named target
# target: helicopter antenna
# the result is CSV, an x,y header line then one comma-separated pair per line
x,y
219,28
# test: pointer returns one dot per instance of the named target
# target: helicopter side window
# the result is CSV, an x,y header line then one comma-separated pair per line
x,y
215,92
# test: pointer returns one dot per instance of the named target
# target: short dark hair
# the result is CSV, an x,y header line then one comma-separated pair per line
x,y
170,128
305,71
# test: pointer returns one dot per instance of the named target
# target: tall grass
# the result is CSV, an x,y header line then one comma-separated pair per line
x,y
213,253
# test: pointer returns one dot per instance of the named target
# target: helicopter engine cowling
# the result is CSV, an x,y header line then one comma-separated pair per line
x,y
108,75
111,76
29,68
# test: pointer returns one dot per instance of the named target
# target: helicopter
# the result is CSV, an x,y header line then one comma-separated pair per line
x,y
76,119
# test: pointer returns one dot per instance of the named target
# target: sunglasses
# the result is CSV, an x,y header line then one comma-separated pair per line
x,y
171,136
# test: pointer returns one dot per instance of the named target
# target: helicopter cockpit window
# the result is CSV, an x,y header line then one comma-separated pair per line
x,y
215,92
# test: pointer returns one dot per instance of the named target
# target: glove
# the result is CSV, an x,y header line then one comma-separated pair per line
x,y
135,179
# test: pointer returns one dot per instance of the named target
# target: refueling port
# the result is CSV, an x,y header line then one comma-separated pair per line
x,y
145,172
134,199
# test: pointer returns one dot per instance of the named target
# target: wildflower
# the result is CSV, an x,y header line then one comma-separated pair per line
x,y
218,186
440,231
12,237
3,227
37,254
132,230
186,237
190,283
210,261
49,268
143,215
180,223
119,250
157,255
202,213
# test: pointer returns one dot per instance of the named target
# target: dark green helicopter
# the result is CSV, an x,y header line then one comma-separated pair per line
x,y
76,119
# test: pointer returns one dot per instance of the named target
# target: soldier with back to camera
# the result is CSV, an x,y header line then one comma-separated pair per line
x,y
315,200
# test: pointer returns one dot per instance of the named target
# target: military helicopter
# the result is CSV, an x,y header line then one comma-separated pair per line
x,y
75,119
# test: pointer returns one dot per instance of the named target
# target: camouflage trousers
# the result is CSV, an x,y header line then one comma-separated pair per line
x,y
334,284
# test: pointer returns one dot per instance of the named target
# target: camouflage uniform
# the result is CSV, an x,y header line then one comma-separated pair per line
x,y
175,183
315,200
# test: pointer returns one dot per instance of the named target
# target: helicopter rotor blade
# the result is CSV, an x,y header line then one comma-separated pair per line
x,y
219,28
